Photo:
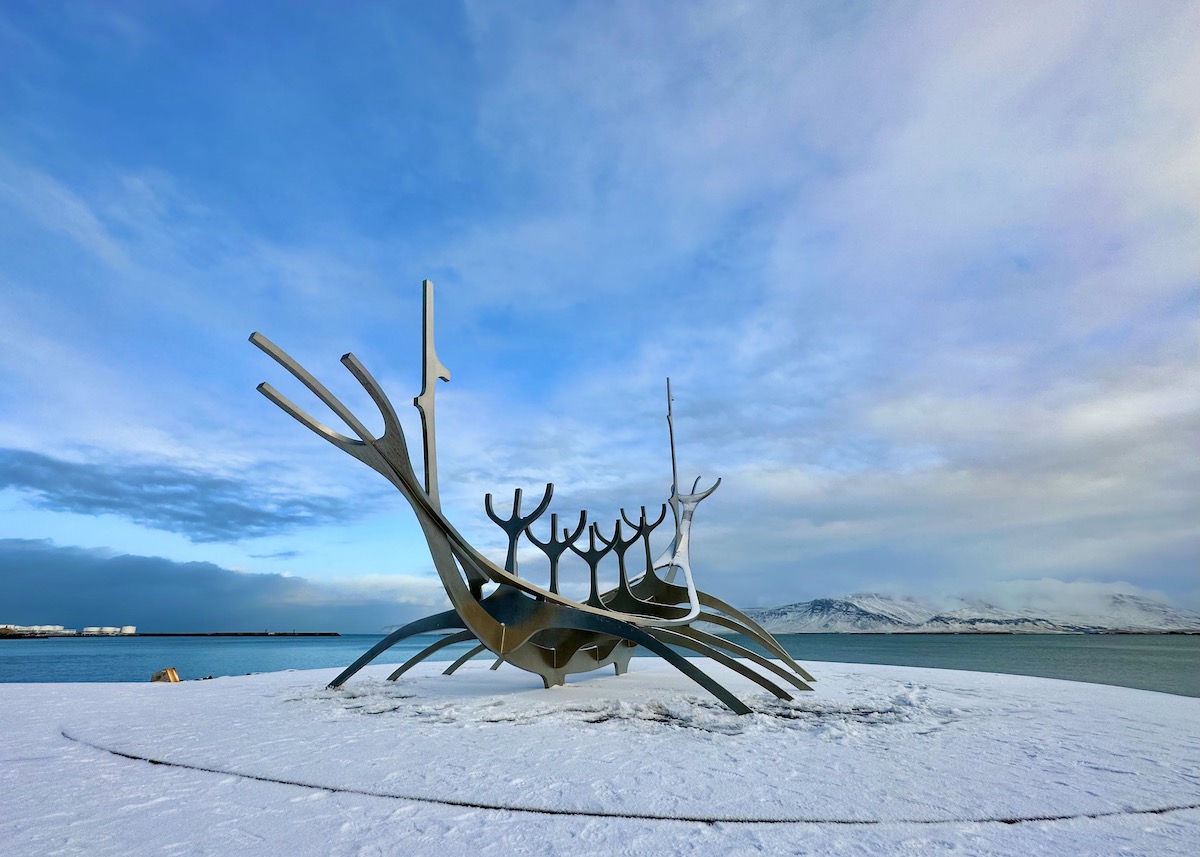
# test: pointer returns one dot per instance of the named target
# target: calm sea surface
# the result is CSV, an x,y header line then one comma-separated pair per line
x,y
1165,663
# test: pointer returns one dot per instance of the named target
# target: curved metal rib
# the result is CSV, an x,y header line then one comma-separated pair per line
x,y
670,635
436,622
742,652
642,636
755,631
450,670
436,646
762,638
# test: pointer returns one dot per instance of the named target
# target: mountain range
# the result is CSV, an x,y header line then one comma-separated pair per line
x,y
866,613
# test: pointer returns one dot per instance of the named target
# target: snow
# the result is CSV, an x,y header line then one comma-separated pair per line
x,y
906,611
879,760
873,613
1135,612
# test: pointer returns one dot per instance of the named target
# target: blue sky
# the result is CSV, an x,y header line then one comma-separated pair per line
x,y
925,277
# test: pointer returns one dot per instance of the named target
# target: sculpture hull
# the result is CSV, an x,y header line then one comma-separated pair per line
x,y
536,629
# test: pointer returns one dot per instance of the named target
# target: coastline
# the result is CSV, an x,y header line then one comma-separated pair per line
x,y
1159,662
40,636
1098,633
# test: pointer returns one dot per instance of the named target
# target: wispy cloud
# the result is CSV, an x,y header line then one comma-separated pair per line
x,y
56,208
277,555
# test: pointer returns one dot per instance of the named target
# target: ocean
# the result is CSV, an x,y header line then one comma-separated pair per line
x,y
1166,663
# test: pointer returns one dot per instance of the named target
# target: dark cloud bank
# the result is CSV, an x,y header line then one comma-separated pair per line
x,y
201,506
42,583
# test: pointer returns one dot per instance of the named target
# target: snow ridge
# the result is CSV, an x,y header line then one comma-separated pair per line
x,y
875,613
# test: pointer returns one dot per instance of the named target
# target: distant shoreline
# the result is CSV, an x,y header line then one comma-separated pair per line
x,y
152,634
246,634
1098,632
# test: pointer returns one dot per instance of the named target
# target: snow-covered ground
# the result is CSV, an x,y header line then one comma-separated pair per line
x,y
879,760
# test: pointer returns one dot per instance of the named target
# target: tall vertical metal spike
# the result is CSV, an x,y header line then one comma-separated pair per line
x,y
431,370
671,431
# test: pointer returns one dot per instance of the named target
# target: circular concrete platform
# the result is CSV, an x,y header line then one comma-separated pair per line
x,y
872,745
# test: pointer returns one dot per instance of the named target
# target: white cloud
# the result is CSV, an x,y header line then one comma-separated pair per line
x,y
921,275
1069,597
56,208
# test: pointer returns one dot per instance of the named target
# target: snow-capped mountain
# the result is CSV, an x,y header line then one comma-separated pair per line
x,y
870,612
1134,612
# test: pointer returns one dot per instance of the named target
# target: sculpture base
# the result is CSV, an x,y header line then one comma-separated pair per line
x,y
878,744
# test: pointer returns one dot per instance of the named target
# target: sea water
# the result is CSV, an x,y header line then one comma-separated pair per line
x,y
1167,663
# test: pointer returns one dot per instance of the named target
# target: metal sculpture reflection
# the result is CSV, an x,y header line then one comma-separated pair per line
x,y
536,629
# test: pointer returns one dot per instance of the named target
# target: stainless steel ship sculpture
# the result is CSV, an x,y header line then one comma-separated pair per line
x,y
520,623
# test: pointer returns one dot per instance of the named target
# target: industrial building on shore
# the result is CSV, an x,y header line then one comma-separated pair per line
x,y
60,631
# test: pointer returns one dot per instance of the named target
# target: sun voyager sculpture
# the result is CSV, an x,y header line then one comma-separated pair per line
x,y
518,622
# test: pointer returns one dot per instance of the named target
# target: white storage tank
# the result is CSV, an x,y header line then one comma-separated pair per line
x,y
91,632
110,631
129,629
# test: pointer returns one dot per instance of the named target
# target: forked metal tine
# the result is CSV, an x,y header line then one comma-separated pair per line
x,y
643,526
491,511
288,406
571,539
391,423
542,506
616,536
553,541
703,494
592,554
623,545
304,377
553,530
